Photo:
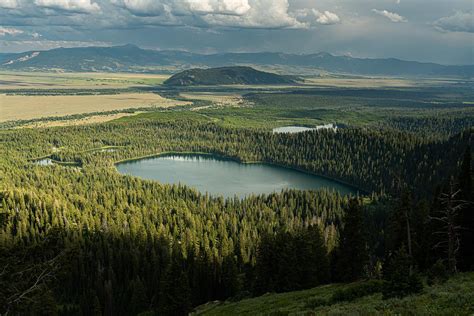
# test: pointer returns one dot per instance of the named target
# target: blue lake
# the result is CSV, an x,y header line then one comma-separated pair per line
x,y
220,176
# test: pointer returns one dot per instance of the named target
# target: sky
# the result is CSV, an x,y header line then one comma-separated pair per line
x,y
439,31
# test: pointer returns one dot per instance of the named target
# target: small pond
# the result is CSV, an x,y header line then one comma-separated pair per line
x,y
44,162
298,129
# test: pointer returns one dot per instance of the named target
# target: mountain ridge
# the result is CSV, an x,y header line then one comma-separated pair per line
x,y
131,58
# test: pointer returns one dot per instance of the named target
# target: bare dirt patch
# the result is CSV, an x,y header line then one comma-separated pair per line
x,y
94,119
217,99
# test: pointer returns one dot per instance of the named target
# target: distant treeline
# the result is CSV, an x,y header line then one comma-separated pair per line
x,y
373,160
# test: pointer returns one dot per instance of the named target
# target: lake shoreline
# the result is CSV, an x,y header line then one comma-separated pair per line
x,y
238,160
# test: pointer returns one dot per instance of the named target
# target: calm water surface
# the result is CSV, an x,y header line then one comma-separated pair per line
x,y
299,129
225,177
44,162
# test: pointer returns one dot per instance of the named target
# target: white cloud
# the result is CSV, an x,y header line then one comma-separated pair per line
x,y
312,16
8,4
459,22
184,7
266,14
326,17
262,14
142,7
394,17
75,6
9,31
224,13
232,7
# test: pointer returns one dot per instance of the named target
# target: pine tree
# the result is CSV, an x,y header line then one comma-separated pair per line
x,y
400,230
352,252
139,301
96,308
399,277
465,176
312,261
265,273
175,292
229,282
45,305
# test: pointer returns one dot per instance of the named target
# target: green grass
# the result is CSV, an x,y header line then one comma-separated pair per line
x,y
270,117
275,110
455,297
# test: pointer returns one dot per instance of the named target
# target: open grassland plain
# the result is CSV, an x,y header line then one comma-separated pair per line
x,y
437,106
62,80
455,297
217,99
373,82
21,107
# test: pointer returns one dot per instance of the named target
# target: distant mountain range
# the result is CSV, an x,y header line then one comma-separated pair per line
x,y
225,76
132,58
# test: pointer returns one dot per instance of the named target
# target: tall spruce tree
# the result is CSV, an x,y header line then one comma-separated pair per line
x,y
175,292
400,230
138,301
401,280
352,254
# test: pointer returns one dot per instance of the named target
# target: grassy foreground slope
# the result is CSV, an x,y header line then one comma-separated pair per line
x,y
455,297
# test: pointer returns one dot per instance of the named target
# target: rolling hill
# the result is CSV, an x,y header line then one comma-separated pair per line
x,y
226,76
132,58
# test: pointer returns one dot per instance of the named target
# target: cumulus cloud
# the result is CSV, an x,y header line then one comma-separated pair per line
x,y
313,16
141,7
265,14
262,14
8,4
394,17
227,13
232,7
326,17
459,22
75,6
184,7
9,31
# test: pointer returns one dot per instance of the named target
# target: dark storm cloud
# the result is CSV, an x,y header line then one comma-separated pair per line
x,y
458,22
